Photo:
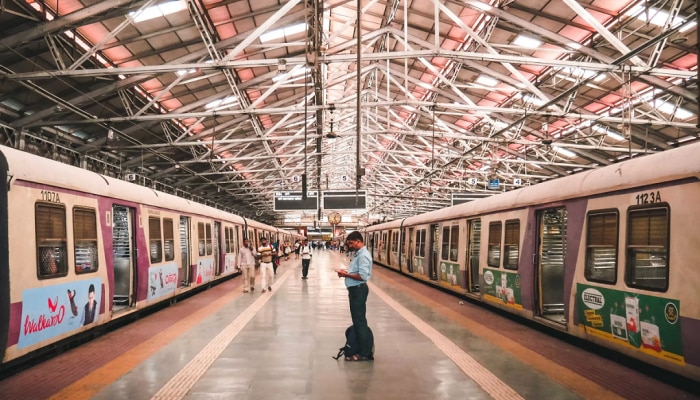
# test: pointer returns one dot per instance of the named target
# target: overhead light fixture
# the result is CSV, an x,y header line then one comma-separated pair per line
x,y
281,66
526,41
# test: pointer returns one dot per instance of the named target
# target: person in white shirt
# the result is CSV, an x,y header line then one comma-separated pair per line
x,y
305,251
246,262
267,273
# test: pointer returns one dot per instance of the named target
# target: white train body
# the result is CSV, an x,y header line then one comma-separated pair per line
x,y
79,249
609,255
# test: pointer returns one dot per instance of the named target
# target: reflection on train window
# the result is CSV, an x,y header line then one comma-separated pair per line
x,y
494,255
85,239
228,233
420,243
209,247
454,242
155,244
601,247
168,239
51,240
201,243
445,254
511,244
647,248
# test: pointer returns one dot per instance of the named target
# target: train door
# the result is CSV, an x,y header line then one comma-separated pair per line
x,y
433,251
473,254
409,251
184,272
124,257
550,266
217,248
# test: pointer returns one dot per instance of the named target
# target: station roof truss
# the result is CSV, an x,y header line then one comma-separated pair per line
x,y
228,101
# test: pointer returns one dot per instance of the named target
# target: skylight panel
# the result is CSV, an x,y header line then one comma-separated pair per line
x,y
564,151
159,10
657,17
220,103
668,108
527,42
282,32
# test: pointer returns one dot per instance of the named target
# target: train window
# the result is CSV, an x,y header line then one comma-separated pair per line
x,y
601,247
200,239
647,248
420,243
155,245
454,242
494,255
209,246
168,239
85,239
445,243
51,251
395,242
511,244
228,233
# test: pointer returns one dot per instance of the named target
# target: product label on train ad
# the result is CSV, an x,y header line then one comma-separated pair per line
x,y
162,280
648,323
229,264
503,287
449,273
205,271
54,310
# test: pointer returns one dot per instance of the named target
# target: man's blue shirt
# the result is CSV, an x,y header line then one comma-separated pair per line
x,y
360,264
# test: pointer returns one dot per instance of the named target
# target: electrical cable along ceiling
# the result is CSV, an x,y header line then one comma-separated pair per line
x,y
228,102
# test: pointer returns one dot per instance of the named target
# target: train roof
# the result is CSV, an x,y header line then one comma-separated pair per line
x,y
667,166
32,168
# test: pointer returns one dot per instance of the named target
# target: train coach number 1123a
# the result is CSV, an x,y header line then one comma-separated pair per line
x,y
649,198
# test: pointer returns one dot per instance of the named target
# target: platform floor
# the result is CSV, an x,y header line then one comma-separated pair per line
x,y
225,344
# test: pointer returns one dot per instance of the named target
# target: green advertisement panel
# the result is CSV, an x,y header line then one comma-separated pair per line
x,y
503,287
648,323
449,273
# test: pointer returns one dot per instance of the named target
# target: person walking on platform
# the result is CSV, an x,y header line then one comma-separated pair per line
x,y
267,273
356,277
305,251
246,262
297,248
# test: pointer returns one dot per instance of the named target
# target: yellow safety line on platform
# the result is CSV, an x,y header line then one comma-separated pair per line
x,y
477,372
182,382
581,385
92,383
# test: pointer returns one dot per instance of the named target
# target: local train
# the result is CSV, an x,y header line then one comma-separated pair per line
x,y
610,255
79,250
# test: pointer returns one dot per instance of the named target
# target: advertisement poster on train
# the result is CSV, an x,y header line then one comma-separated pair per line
x,y
54,310
503,287
205,271
229,264
418,266
162,280
449,273
648,323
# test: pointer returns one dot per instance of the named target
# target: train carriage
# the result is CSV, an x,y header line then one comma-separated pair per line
x,y
79,249
608,255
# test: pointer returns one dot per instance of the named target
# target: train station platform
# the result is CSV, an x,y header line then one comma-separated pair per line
x,y
226,344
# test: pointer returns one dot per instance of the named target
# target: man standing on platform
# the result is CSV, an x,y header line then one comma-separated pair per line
x,y
267,273
246,262
356,277
305,251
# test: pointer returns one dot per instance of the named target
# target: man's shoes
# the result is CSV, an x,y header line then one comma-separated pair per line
x,y
252,289
304,277
245,291
264,291
269,288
